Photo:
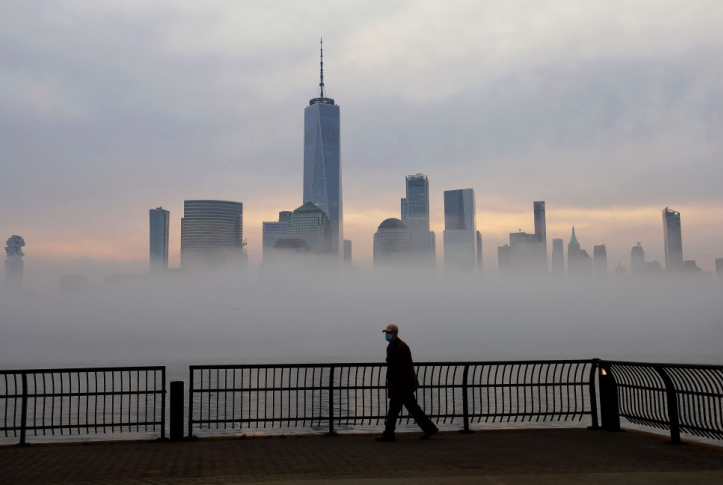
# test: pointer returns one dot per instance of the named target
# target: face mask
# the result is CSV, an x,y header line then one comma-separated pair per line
x,y
389,337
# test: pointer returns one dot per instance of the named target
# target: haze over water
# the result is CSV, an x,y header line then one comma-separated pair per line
x,y
307,315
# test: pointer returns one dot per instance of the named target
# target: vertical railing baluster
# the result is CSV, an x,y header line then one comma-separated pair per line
x,y
593,394
23,408
190,401
465,402
672,401
163,404
331,401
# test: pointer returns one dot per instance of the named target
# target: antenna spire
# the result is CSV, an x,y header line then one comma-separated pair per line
x,y
321,84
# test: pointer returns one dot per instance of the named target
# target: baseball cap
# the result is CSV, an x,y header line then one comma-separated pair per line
x,y
391,328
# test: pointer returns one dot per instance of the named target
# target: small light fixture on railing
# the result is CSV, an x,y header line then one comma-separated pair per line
x,y
602,372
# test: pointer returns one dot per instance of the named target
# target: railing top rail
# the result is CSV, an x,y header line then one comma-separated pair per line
x,y
81,369
383,364
663,364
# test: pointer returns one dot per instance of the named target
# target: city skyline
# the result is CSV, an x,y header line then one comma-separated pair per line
x,y
653,110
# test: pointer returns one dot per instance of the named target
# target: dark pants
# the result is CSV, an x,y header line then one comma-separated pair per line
x,y
409,402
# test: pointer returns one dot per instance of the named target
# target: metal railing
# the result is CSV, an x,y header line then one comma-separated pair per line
x,y
324,397
332,395
82,400
675,397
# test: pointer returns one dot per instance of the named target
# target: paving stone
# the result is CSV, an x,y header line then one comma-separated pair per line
x,y
497,453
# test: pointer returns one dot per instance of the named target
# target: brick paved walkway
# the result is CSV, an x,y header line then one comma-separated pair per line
x,y
498,456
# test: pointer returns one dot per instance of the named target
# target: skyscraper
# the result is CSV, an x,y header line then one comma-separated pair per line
x,y
480,266
600,260
673,240
14,266
637,260
393,244
541,225
212,234
347,252
460,230
273,231
558,258
415,214
719,268
322,162
579,263
159,219
528,252
310,224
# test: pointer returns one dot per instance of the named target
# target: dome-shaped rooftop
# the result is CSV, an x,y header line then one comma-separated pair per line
x,y
392,223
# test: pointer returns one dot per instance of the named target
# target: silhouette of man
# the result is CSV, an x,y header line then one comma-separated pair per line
x,y
401,384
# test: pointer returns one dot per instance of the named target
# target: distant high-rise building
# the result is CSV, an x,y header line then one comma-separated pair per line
x,y
719,268
558,258
504,266
415,214
14,266
393,244
322,162
541,226
285,216
689,267
579,263
480,266
460,230
159,219
600,260
311,224
347,251
673,240
620,271
528,252
212,234
637,260
272,232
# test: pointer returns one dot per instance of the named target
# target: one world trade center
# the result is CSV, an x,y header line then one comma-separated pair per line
x,y
322,162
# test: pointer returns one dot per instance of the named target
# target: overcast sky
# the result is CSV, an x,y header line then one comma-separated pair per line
x,y
608,111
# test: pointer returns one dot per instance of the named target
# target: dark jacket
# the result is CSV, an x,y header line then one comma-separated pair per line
x,y
401,378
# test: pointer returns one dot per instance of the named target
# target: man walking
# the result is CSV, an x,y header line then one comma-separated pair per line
x,y
401,384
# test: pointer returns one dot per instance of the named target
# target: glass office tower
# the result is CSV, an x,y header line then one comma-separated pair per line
x,y
159,219
460,230
415,214
541,226
393,243
322,162
311,225
558,258
673,241
212,234
272,232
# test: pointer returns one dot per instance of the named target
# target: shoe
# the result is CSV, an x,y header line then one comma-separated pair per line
x,y
385,438
428,434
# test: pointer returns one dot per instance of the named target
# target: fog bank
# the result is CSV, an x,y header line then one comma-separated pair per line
x,y
305,316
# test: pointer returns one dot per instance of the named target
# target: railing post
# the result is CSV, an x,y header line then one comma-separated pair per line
x,y
593,395
331,402
24,409
176,420
190,402
672,401
608,399
163,404
465,402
